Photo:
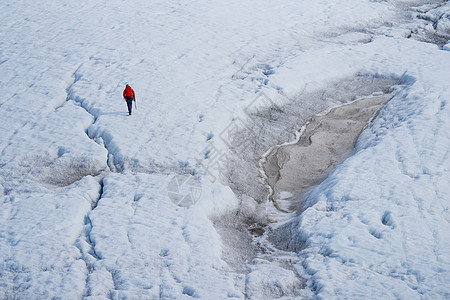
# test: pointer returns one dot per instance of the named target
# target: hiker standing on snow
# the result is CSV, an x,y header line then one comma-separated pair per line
x,y
129,96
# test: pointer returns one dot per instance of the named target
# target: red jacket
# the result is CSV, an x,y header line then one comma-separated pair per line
x,y
128,92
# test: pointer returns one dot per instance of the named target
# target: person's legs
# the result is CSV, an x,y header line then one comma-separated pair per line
x,y
129,104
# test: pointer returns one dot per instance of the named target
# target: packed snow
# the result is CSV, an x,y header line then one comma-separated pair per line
x,y
93,201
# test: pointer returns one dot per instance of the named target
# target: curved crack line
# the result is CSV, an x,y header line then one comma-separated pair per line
x,y
80,101
89,254
87,238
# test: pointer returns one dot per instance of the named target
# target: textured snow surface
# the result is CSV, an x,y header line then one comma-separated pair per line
x,y
84,205
380,222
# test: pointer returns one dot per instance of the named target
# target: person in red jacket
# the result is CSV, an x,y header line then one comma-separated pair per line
x,y
129,96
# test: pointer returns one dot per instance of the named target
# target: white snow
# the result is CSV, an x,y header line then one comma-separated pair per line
x,y
85,208
389,202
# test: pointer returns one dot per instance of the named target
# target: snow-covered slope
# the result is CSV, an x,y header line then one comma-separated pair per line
x,y
379,225
87,207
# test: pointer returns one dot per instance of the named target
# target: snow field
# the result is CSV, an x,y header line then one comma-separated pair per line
x,y
37,241
388,202
155,257
195,66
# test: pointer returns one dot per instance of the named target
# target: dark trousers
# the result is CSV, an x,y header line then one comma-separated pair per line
x,y
129,104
